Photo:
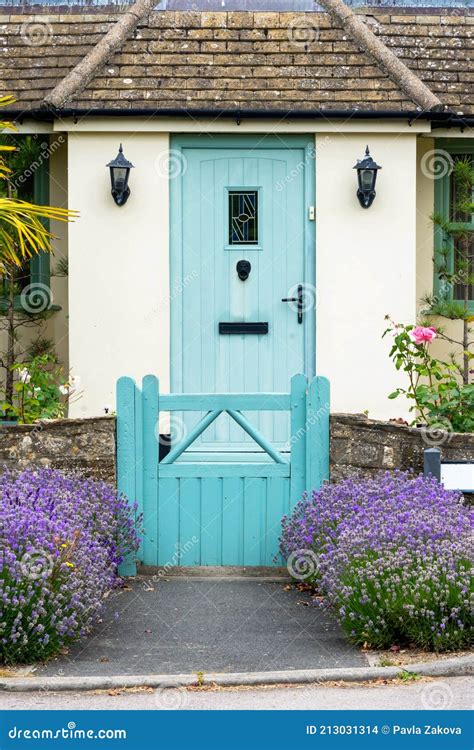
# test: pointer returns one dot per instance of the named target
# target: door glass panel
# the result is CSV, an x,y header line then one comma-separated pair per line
x,y
243,217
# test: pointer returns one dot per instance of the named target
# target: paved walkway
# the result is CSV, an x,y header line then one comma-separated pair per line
x,y
176,626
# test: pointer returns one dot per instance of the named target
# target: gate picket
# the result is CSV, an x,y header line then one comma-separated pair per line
x,y
317,444
298,437
126,458
217,512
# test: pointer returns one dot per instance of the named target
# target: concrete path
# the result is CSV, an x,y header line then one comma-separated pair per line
x,y
451,693
173,626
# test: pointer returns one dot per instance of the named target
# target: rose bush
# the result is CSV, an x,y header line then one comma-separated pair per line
x,y
436,391
61,540
392,557
422,334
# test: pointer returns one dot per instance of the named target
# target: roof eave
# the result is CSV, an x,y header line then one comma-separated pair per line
x,y
438,119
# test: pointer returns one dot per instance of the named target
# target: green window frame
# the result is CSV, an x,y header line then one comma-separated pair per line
x,y
454,147
40,269
40,266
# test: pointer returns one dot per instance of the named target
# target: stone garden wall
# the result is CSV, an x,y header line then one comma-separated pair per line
x,y
358,445
365,446
86,445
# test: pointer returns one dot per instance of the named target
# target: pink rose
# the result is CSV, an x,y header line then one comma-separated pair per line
x,y
420,334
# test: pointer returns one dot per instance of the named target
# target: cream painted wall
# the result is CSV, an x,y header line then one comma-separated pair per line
x,y
424,227
118,267
119,275
365,268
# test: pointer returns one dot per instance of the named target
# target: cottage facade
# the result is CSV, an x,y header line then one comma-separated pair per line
x,y
243,129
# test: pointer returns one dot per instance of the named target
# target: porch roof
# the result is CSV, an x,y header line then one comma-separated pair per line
x,y
238,60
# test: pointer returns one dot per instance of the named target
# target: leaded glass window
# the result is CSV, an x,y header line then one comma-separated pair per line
x,y
243,217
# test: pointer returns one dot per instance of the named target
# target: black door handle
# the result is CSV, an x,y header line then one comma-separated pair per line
x,y
299,300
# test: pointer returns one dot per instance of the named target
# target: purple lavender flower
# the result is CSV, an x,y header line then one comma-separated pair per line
x,y
61,540
393,558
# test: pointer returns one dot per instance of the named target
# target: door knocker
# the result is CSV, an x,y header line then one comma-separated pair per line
x,y
243,269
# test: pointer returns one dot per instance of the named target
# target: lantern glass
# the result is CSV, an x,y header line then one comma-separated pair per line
x,y
367,179
119,173
119,177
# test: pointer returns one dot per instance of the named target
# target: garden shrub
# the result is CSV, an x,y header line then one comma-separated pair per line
x,y
391,555
440,395
61,540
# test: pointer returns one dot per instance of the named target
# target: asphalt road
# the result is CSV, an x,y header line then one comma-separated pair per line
x,y
452,693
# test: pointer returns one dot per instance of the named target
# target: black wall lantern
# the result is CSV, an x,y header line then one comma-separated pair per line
x,y
119,173
366,175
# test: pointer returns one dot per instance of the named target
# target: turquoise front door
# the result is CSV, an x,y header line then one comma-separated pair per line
x,y
242,242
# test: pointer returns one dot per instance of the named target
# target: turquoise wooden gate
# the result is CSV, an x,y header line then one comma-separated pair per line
x,y
223,512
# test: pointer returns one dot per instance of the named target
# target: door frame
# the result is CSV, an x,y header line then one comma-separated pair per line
x,y
178,144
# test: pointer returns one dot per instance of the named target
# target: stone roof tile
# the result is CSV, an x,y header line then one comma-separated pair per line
x,y
224,60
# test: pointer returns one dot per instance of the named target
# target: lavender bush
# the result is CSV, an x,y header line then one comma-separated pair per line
x,y
61,540
391,554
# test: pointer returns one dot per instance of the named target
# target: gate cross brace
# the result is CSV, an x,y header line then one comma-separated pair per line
x,y
204,423
256,435
191,437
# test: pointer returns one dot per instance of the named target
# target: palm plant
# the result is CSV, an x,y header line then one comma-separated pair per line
x,y
24,233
